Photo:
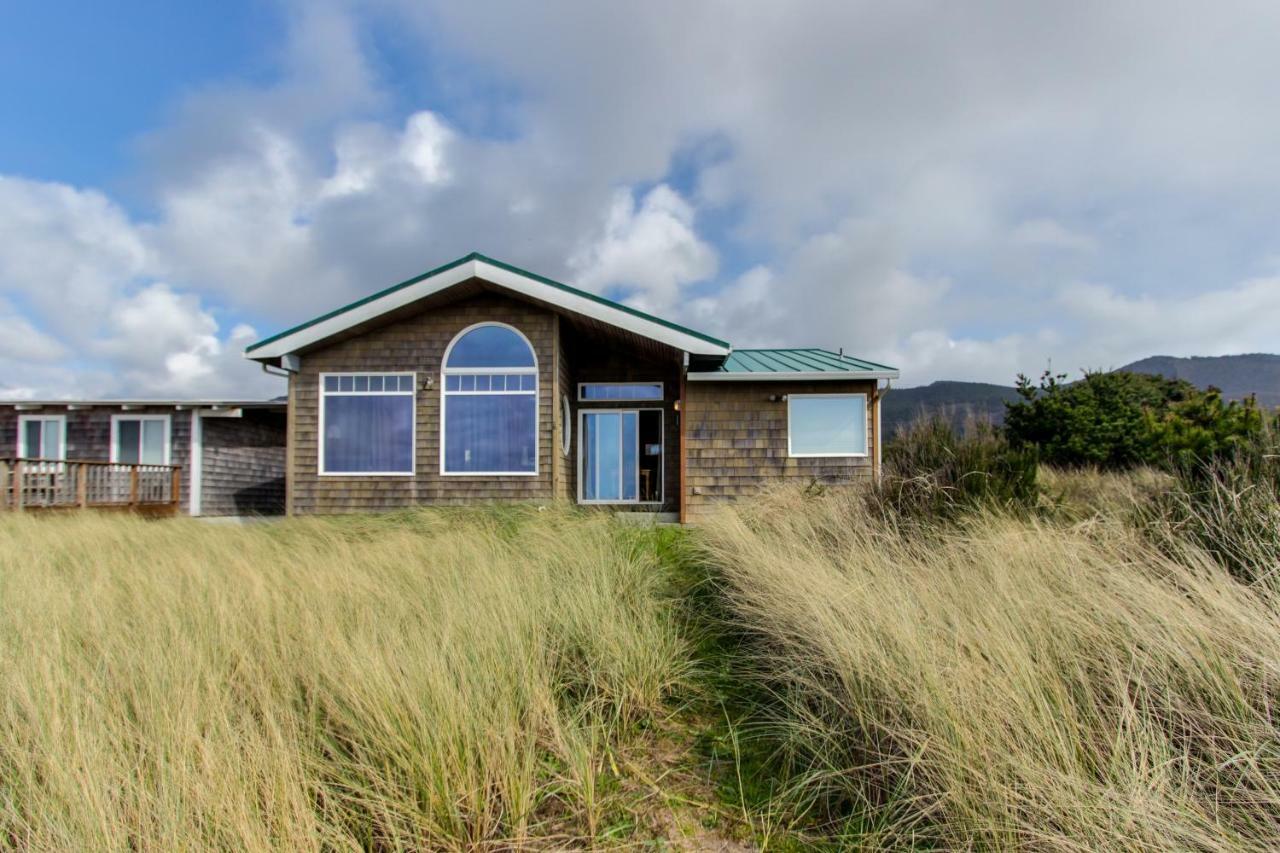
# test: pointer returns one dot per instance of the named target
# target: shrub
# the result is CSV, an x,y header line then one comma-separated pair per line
x,y
1120,420
931,468
1228,505
1099,420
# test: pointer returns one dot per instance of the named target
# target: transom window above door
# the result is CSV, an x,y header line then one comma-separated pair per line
x,y
490,400
603,391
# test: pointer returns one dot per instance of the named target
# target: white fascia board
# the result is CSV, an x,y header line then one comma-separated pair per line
x,y
504,278
713,376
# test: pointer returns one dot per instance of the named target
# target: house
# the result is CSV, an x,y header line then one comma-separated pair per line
x,y
479,381
195,457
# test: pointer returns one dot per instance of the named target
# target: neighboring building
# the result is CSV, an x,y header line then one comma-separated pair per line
x,y
481,382
226,457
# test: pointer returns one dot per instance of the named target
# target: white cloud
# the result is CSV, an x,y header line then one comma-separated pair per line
x,y
64,250
844,288
1122,328
651,246
366,153
1048,234
22,340
78,263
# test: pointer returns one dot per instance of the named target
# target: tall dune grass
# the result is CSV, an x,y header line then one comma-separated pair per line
x,y
1004,682
419,681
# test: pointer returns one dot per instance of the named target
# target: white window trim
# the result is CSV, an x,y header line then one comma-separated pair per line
x,y
662,456
115,436
865,437
23,420
446,372
413,435
662,387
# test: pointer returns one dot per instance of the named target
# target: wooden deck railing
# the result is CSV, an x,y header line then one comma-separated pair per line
x,y
38,484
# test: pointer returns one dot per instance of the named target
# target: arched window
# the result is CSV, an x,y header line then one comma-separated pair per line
x,y
490,419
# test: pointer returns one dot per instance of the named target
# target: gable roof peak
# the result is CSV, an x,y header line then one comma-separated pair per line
x,y
504,275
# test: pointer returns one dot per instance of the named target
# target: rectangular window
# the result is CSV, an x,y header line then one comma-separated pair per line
x,y
140,439
598,391
42,437
367,423
827,424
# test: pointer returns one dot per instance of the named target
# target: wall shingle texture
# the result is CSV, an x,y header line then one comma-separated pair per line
x,y
736,441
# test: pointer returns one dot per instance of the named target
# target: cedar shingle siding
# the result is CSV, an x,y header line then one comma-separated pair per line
x,y
736,440
244,461
417,344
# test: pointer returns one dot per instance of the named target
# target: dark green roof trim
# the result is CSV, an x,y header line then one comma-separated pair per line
x,y
476,256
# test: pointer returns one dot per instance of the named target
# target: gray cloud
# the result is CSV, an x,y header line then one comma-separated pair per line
x,y
923,183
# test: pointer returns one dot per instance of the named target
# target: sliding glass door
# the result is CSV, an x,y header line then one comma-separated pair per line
x,y
621,453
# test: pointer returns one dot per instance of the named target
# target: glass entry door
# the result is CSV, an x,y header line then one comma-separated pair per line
x,y
621,456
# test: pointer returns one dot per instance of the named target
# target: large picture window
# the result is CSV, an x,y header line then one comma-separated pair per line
x,y
490,398
367,423
827,424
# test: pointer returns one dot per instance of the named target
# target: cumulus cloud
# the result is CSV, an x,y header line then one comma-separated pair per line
x,y
77,262
22,340
650,247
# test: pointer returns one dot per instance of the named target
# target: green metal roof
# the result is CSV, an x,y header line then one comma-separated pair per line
x,y
476,256
808,360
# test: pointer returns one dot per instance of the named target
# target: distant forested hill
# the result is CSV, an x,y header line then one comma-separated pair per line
x,y
958,400
1237,375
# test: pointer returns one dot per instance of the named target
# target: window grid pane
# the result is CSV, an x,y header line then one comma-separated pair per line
x,y
51,444
128,437
32,446
153,442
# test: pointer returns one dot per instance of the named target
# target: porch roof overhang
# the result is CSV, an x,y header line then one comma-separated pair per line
x,y
504,276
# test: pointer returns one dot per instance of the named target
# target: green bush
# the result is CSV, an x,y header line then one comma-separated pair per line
x,y
1120,420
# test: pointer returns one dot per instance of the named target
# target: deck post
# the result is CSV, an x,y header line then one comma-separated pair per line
x,y
133,485
175,486
17,485
82,485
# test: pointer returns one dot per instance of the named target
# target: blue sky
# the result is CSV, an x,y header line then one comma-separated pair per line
x,y
965,192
